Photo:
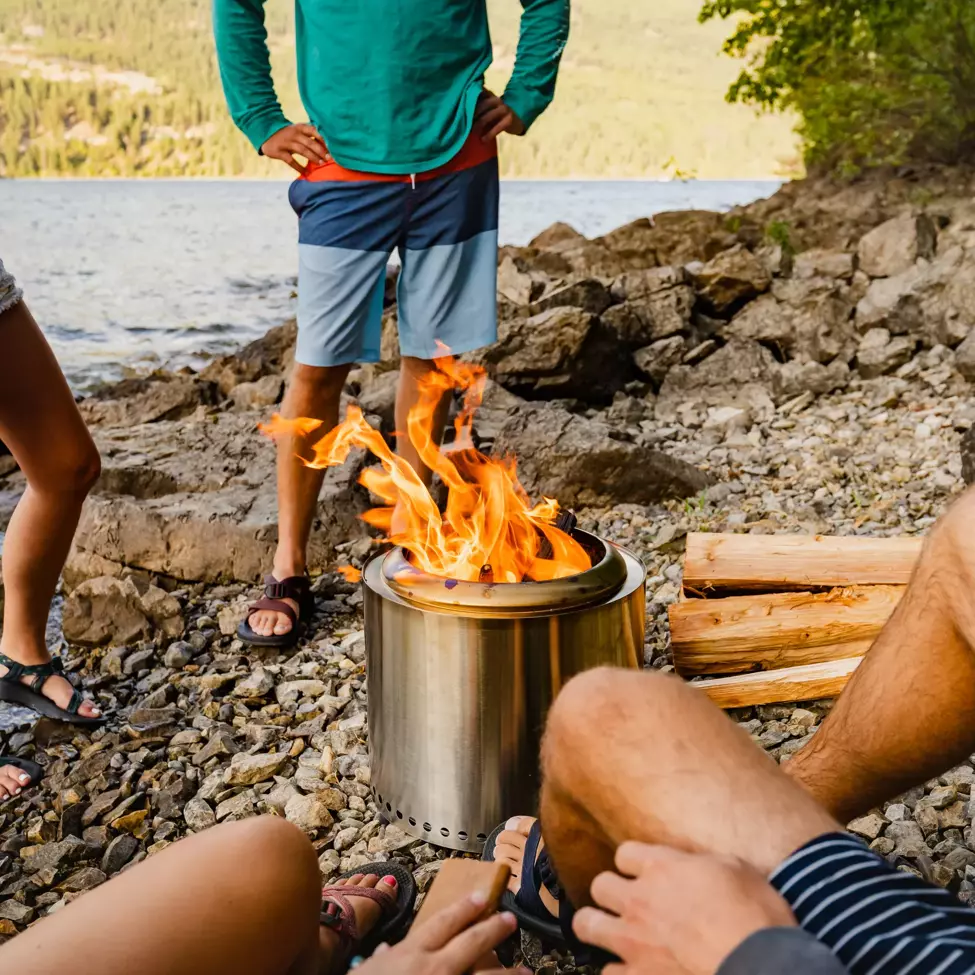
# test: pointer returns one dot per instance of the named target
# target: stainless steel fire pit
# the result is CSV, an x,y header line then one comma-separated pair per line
x,y
461,675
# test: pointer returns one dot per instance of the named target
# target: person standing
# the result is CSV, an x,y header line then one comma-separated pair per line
x,y
41,426
401,155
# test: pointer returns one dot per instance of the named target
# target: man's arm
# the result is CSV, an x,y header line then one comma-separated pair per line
x,y
245,69
773,951
544,32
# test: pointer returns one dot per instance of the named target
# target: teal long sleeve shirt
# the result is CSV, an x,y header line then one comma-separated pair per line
x,y
391,85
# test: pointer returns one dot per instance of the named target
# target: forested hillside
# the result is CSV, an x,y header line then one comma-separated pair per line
x,y
106,88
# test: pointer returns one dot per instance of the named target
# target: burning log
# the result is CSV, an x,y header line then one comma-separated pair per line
x,y
763,632
795,562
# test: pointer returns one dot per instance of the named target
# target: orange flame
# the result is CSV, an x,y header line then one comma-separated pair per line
x,y
489,529
349,572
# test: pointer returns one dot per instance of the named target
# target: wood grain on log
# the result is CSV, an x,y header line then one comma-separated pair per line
x,y
776,686
795,562
768,631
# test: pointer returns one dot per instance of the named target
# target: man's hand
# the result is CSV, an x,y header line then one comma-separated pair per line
x,y
682,914
449,943
297,140
494,117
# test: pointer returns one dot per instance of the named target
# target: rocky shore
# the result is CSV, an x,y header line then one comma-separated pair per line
x,y
801,364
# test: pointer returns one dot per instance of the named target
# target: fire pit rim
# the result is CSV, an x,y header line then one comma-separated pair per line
x,y
596,584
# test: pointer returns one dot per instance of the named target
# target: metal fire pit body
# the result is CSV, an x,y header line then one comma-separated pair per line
x,y
461,676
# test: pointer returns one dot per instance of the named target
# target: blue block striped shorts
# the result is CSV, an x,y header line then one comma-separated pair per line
x,y
444,225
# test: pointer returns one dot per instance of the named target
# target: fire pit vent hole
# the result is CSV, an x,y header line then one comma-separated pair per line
x,y
412,821
427,827
482,837
399,815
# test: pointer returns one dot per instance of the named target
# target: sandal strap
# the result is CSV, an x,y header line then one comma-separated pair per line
x,y
528,897
16,670
344,924
547,875
294,587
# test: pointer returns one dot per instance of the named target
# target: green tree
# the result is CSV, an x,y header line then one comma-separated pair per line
x,y
872,81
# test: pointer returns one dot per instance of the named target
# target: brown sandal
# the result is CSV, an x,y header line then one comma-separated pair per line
x,y
397,911
297,588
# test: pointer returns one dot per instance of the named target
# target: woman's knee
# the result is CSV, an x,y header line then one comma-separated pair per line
x,y
71,472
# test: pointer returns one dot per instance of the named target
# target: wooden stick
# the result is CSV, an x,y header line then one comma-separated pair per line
x,y
776,686
763,632
791,562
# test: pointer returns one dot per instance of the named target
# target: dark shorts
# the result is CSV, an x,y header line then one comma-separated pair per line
x,y
877,920
443,223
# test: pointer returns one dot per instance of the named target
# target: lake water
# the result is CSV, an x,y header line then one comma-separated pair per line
x,y
128,275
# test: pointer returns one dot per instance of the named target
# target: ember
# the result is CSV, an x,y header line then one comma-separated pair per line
x,y
489,531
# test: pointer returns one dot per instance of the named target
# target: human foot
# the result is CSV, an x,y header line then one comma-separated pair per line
x,y
44,678
13,781
341,934
510,849
274,617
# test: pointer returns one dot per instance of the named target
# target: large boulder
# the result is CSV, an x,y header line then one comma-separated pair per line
x,y
563,351
895,246
803,319
675,237
740,374
578,461
195,500
158,397
271,354
880,353
105,610
732,278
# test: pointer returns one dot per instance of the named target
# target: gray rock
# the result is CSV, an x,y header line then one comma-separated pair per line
x,y
251,769
13,910
822,263
893,303
378,398
869,827
259,394
731,278
801,376
308,813
578,461
588,294
879,354
199,815
149,400
738,374
236,807
105,609
908,839
965,357
656,360
515,285
894,246
118,853
220,745
54,855
178,655
257,684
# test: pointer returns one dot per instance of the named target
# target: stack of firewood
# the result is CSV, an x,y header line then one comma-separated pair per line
x,y
773,618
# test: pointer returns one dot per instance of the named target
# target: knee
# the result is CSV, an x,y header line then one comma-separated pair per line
x,y
278,857
416,368
317,382
74,472
587,701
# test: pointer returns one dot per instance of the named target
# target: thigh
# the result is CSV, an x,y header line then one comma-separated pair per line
x,y
39,420
240,899
346,231
448,286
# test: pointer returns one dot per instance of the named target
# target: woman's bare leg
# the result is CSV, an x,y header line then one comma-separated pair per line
x,y
241,899
41,425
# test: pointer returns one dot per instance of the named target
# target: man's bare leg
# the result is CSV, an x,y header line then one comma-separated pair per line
x,y
646,757
407,395
313,392
908,714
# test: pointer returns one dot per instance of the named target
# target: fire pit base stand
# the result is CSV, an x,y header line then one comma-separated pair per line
x,y
461,676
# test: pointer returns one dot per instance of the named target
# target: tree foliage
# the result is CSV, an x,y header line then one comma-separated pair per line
x,y
873,81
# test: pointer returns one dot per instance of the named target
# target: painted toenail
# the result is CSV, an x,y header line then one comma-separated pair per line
x,y
389,881
18,791
24,777
512,823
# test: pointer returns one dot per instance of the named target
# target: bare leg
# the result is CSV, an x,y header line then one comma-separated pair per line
x,y
909,711
666,767
41,425
313,392
241,899
407,394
